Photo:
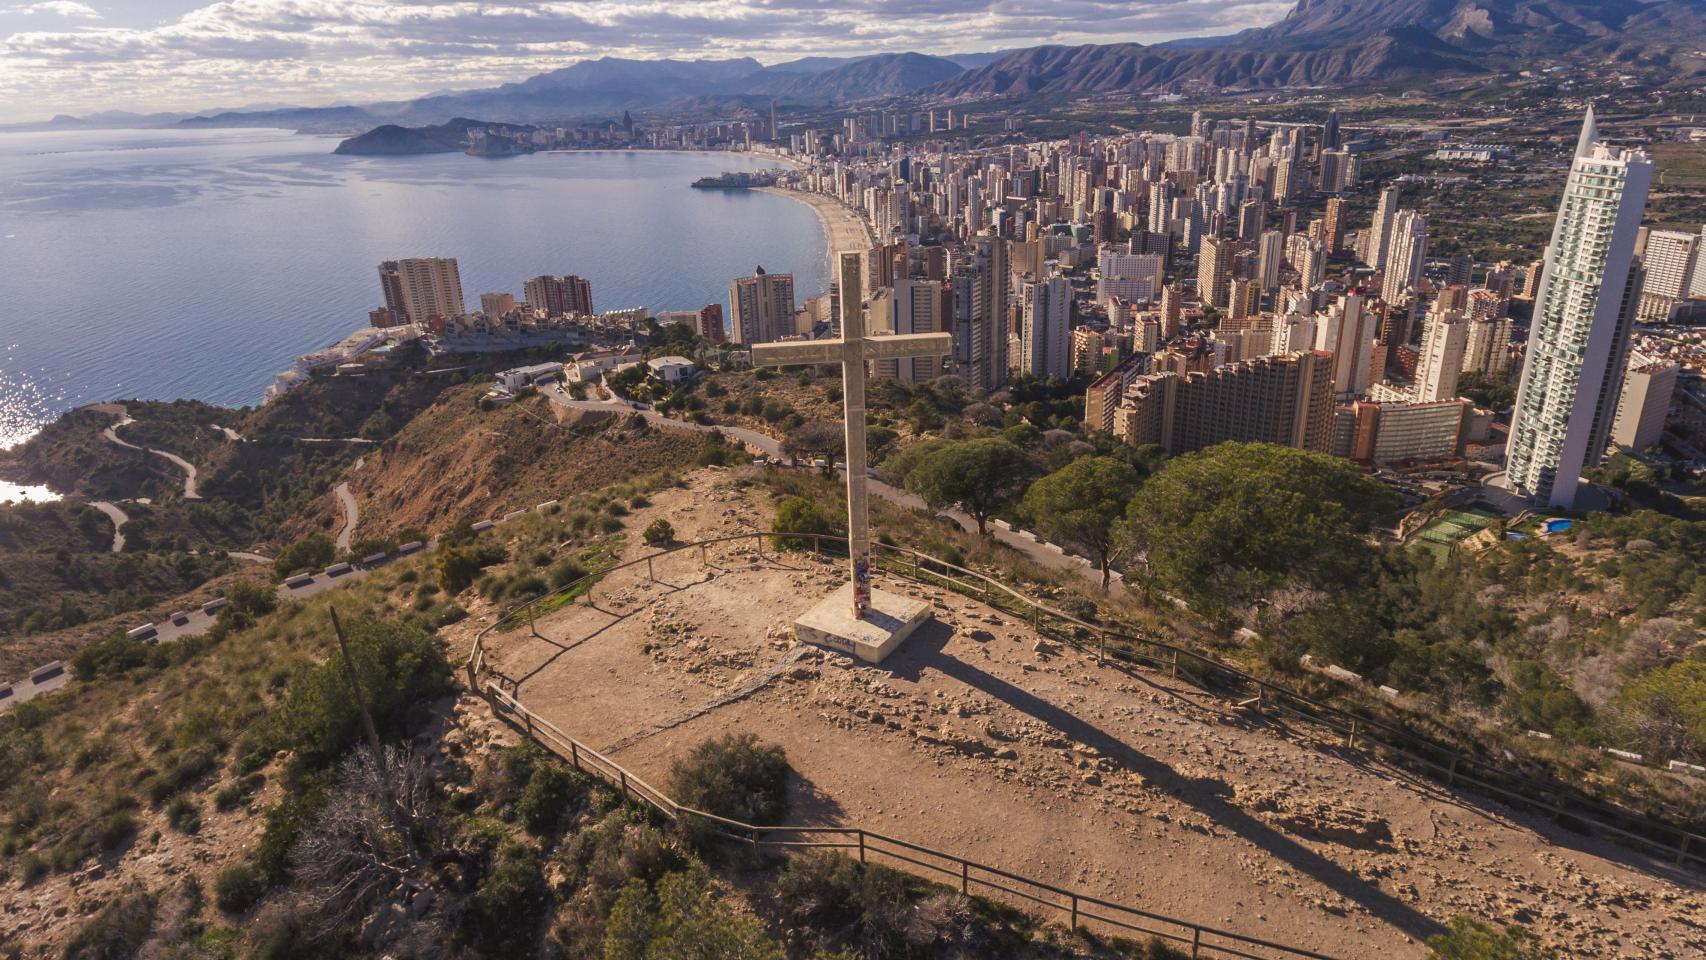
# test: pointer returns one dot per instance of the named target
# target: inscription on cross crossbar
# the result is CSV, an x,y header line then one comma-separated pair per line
x,y
851,351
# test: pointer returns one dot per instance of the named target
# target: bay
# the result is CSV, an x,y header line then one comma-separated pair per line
x,y
159,264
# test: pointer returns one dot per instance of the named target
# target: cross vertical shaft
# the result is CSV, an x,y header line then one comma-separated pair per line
x,y
858,503
851,352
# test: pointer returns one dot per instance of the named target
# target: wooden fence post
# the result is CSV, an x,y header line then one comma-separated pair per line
x,y
965,873
1196,942
649,574
861,846
1451,774
1074,924
1173,670
532,627
575,754
1351,738
624,774
1682,850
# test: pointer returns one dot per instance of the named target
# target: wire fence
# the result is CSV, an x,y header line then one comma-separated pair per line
x,y
1452,766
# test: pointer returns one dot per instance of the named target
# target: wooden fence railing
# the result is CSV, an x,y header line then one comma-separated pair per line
x,y
968,876
1452,766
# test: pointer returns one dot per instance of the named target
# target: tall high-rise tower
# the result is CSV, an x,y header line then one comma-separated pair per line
x,y
428,287
1579,339
1406,253
1045,334
761,307
1444,337
1380,231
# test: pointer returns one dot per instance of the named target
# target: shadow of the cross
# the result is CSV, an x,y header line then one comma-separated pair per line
x,y
1209,796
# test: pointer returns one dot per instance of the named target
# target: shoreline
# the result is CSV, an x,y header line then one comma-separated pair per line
x,y
843,229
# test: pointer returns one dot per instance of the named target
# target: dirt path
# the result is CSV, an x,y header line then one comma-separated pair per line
x,y
119,519
977,739
111,433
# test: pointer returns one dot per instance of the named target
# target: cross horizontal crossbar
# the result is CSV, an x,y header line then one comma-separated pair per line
x,y
836,351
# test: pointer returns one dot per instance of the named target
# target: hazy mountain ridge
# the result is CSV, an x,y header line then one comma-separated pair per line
x,y
611,85
1325,42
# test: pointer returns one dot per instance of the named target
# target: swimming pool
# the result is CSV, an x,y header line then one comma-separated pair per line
x,y
1558,525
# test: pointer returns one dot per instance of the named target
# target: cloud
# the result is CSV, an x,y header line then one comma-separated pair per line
x,y
69,9
320,51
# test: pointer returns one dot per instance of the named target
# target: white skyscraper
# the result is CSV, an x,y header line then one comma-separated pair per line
x,y
1347,331
430,287
1045,332
1406,252
1271,256
761,307
1579,339
1380,231
1669,259
1647,389
1443,339
915,305
1133,277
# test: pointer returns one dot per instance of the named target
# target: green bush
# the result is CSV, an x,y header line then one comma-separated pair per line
x,y
1663,714
184,815
552,793
797,515
285,821
733,776
505,911
659,533
838,902
118,930
312,552
565,572
32,867
111,657
683,919
397,664
1470,939
457,569
117,829
239,887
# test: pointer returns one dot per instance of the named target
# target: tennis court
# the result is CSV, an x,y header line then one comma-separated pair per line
x,y
1453,525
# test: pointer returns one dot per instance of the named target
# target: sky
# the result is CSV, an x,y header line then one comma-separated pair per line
x,y
82,56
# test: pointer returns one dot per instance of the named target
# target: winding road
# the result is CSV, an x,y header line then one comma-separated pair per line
x,y
111,433
352,516
119,519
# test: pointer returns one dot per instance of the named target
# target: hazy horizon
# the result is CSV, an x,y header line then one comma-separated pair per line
x,y
148,56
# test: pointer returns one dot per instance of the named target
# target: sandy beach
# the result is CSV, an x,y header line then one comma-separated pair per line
x,y
846,230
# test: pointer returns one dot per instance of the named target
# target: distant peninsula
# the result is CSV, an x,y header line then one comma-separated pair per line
x,y
475,137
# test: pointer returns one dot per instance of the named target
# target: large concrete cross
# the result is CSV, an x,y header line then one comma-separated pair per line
x,y
851,351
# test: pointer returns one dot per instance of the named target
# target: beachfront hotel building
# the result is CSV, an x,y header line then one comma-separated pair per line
x,y
1579,339
420,289
559,296
761,307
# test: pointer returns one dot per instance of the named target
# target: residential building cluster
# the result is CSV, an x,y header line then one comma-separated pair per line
x,y
1210,286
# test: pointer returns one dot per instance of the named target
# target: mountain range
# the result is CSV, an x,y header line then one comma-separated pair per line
x,y
1346,42
1320,43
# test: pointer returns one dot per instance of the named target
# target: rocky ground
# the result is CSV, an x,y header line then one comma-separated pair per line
x,y
977,738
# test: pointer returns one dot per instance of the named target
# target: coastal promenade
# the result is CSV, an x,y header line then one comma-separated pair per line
x,y
846,230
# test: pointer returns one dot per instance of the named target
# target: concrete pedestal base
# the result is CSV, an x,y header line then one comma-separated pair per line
x,y
888,622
